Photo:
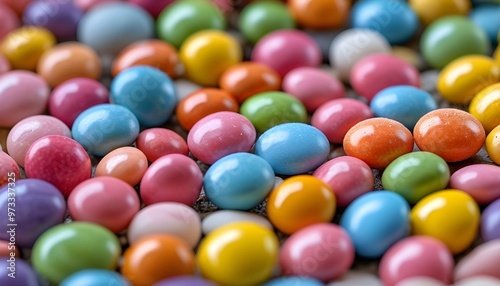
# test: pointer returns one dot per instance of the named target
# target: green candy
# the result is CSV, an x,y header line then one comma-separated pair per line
x,y
268,109
450,38
261,18
415,175
181,19
68,248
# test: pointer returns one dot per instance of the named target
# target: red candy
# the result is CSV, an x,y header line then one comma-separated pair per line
x,y
157,142
9,171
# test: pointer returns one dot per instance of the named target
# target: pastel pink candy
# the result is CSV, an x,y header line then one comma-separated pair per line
x,y
8,21
484,260
8,169
4,64
481,181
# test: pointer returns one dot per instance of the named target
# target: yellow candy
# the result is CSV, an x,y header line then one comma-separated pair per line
x,y
493,145
24,46
207,54
461,79
430,10
451,216
485,107
242,253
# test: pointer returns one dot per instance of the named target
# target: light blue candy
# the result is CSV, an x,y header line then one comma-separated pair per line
x,y
488,18
239,181
375,221
294,281
95,277
293,148
403,103
146,91
105,127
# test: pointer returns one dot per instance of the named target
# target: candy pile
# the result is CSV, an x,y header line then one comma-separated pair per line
x,y
299,142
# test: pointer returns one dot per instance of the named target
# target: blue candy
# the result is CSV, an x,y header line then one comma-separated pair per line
x,y
94,277
294,281
488,18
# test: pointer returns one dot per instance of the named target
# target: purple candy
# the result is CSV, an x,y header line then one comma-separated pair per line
x,y
17,272
490,221
38,206
184,281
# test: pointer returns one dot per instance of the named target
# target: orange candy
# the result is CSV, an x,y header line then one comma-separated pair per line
x,y
126,163
156,257
246,79
203,102
450,133
378,141
320,14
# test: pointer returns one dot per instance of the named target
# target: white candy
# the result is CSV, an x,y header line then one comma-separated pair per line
x,y
223,217
357,278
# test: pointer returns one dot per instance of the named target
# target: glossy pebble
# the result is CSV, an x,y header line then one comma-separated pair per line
x,y
10,21
53,255
91,277
493,145
450,133
429,11
490,221
479,280
378,141
348,177
377,72
154,7
355,278
335,117
184,280
481,181
294,280
293,148
105,127
166,218
300,201
485,106
416,256
15,108
375,221
220,134
415,175
158,142
405,104
74,96
126,163
451,216
172,178
58,160
223,217
219,255
285,50
8,168
482,260
420,281
24,275
486,17
30,129
37,206
320,14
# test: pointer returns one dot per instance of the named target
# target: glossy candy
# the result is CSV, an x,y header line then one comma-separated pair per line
x,y
293,148
24,275
157,142
420,281
451,216
219,255
105,127
58,160
429,11
126,163
294,280
223,217
485,106
320,14
184,280
493,145
487,17
452,134
490,221
300,201
481,181
86,5
91,277
10,21
482,261
8,169
154,7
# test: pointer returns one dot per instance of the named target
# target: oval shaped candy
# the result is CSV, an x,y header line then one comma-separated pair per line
x,y
89,277
223,217
481,181
481,261
485,106
490,221
125,163
158,142
493,145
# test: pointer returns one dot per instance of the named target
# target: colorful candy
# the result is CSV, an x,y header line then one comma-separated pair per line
x,y
487,17
429,11
490,221
320,14
9,20
184,280
91,277
294,280
482,261
493,145
154,7
157,142
126,163
21,274
481,181
485,106
8,169
223,217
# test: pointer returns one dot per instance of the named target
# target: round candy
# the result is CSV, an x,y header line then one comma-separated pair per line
x,y
17,6
207,54
323,251
493,145
58,160
157,142
8,169
154,7
35,95
105,127
166,218
238,181
490,221
9,20
450,38
30,129
152,52
86,5
58,64
285,50
53,255
451,216
184,280
293,148
452,134
429,10
126,163
405,104
481,181
92,277
17,273
335,117
111,27
146,91
320,14
420,281
203,102
4,64
220,254
31,207
258,19
223,217
378,141
300,201
183,18
487,17
377,72
294,280
272,108
485,106
394,19
156,257
172,178
312,87
416,256
375,221
481,261
415,175
246,79
348,177
220,134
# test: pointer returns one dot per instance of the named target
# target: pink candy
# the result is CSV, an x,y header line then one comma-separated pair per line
x,y
8,169
481,181
157,142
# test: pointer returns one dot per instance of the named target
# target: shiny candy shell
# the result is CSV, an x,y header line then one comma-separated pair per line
x,y
294,280
320,14
490,221
8,169
429,10
126,163
493,145
223,217
482,261
157,142
89,277
24,274
184,280
481,181
485,106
